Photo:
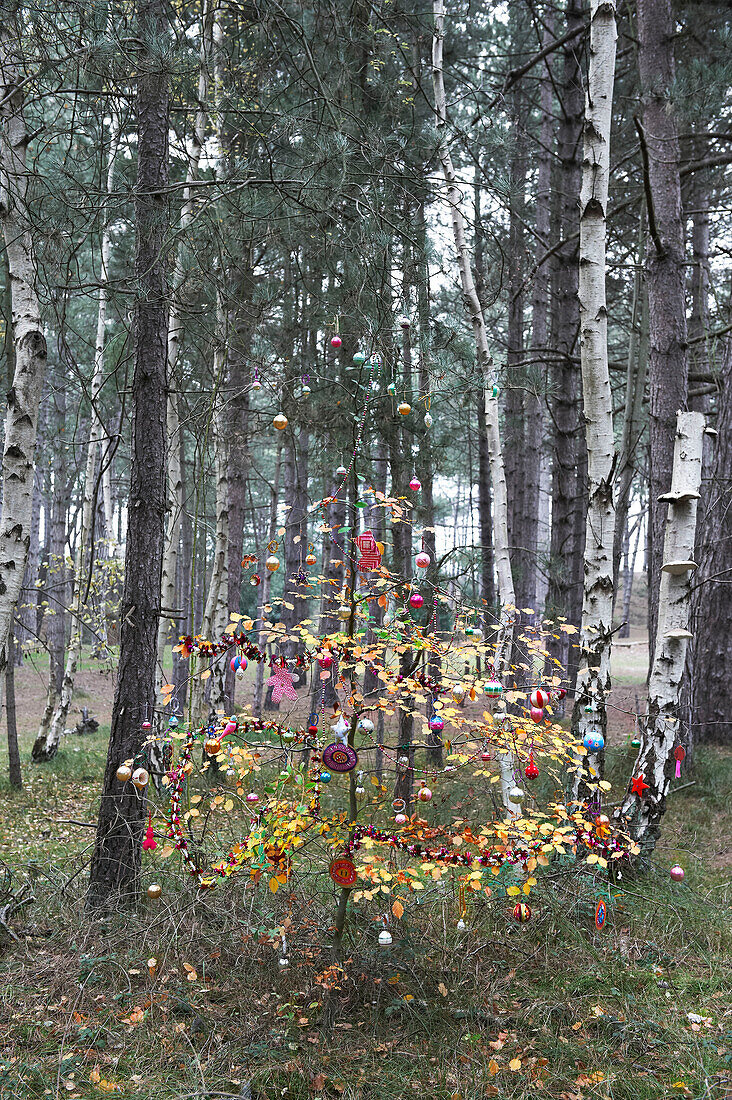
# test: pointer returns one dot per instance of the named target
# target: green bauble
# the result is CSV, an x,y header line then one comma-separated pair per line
x,y
359,358
288,737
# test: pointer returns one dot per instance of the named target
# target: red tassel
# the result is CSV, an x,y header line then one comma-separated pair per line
x,y
149,843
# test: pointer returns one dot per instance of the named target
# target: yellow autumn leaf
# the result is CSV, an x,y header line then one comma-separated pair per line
x,y
513,891
228,805
398,909
274,885
514,1064
205,674
493,1067
442,989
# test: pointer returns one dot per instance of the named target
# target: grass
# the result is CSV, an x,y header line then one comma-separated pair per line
x,y
551,1008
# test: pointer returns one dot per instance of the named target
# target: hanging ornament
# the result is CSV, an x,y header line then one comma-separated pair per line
x,y
415,484
537,714
531,771
154,891
486,755
494,689
140,778
391,389
539,698
495,391
335,341
340,730
594,742
212,746
401,819
679,754
404,408
424,794
370,555
600,915
521,912
416,600
458,693
436,723
283,962
385,939
280,421
359,359
404,322
638,785
256,385
124,773
173,722
366,725
340,758
252,798
281,683
272,563
343,872
325,777
360,793
149,844
516,795
255,580
341,471
428,421
288,737
422,560
146,726
325,661
677,873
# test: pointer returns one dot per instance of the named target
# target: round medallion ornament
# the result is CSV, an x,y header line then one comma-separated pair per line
x,y
339,758
342,872
600,915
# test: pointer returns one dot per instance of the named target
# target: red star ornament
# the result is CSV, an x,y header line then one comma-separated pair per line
x,y
637,785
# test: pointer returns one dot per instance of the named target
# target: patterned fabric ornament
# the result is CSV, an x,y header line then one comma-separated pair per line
x,y
343,872
679,754
281,684
370,556
638,785
149,844
340,758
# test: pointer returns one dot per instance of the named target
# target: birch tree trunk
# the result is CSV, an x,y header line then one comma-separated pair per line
x,y
485,364
84,558
593,678
29,343
655,762
115,867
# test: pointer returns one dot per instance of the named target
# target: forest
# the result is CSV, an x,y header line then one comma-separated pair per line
x,y
366,549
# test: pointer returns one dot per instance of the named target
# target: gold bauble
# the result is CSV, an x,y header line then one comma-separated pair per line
x,y
404,409
124,773
140,778
310,559
280,421
272,563
458,693
212,746
154,890
344,613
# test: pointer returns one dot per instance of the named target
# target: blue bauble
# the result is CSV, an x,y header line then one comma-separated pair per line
x,y
594,742
325,777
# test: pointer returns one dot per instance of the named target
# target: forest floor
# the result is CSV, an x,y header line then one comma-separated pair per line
x,y
184,999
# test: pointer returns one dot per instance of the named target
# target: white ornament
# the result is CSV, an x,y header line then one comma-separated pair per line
x,y
385,939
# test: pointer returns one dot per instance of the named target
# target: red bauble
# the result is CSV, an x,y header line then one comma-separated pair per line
x,y
415,484
531,771
335,342
416,600
537,714
539,698
521,912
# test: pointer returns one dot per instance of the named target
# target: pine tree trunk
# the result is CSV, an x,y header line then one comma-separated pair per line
x,y
655,764
115,867
665,275
29,342
593,677
567,534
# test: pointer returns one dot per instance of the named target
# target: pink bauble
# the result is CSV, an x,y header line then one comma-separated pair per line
x,y
326,661
424,794
147,725
677,873
537,714
335,342
485,756
401,819
422,560
416,600
539,698
252,798
415,484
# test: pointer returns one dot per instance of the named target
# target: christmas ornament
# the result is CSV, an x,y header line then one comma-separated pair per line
x,y
280,421
256,384
531,771
335,341
212,746
600,915
638,786
415,484
594,742
516,795
416,600
679,755
436,723
537,714
343,872
428,421
404,322
340,758
385,939
424,794
325,777
404,408
154,891
359,359
252,798
486,756
539,698
366,725
677,873
422,560
124,773
401,819
521,912
281,683
140,778
283,962
255,580
272,563
370,555
325,661
494,689
149,844
360,793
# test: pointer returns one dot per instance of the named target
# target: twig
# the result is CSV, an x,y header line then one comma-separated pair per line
x,y
652,227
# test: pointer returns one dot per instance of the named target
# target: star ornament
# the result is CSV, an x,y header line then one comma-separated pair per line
x,y
281,684
637,785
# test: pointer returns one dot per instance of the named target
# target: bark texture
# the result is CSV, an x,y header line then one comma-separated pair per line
x,y
29,343
115,867
593,678
655,762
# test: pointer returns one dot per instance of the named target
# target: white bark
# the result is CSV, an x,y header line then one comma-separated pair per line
x,y
660,732
485,362
176,502
84,558
29,343
593,679
216,615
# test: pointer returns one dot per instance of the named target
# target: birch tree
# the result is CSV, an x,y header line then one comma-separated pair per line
x,y
645,801
593,678
485,364
29,343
